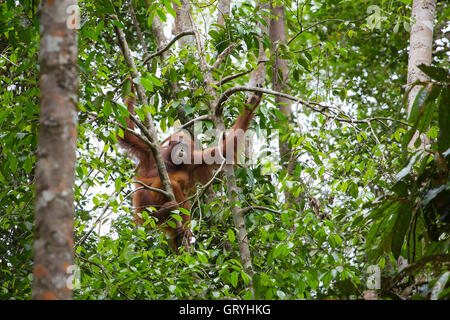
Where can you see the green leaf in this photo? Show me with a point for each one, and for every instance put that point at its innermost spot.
(169, 8)
(126, 87)
(431, 194)
(418, 104)
(176, 216)
(444, 121)
(429, 109)
(354, 191)
(397, 26)
(303, 63)
(147, 84)
(245, 277)
(407, 26)
(248, 295)
(28, 165)
(12, 163)
(435, 73)
(406, 170)
(107, 108)
(118, 184)
(231, 235)
(117, 23)
(202, 257)
(278, 250)
(155, 80)
(171, 224)
(161, 15)
(184, 211)
(401, 226)
(400, 188)
(97, 103)
(234, 278)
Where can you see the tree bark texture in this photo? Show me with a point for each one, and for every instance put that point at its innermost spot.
(277, 34)
(224, 7)
(183, 22)
(420, 44)
(161, 41)
(55, 167)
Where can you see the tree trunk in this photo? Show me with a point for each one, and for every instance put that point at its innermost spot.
(257, 77)
(53, 247)
(223, 7)
(183, 22)
(277, 34)
(420, 44)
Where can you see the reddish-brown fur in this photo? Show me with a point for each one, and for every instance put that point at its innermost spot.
(182, 176)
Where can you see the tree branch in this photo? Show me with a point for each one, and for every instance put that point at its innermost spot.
(166, 47)
(246, 210)
(149, 133)
(187, 124)
(164, 193)
(223, 55)
(198, 41)
(237, 75)
(315, 106)
(415, 267)
(321, 22)
(137, 135)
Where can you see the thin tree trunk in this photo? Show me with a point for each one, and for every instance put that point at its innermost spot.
(53, 246)
(183, 22)
(224, 7)
(161, 41)
(232, 189)
(420, 44)
(257, 77)
(150, 133)
(277, 34)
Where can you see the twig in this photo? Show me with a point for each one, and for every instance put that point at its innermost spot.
(222, 56)
(214, 176)
(321, 22)
(237, 75)
(163, 192)
(167, 46)
(187, 124)
(138, 29)
(139, 136)
(306, 49)
(418, 265)
(198, 41)
(315, 106)
(246, 210)
(232, 77)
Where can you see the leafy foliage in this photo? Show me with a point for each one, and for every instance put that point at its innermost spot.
(386, 200)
